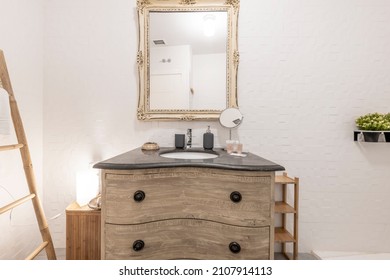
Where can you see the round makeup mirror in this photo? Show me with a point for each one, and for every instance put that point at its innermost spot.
(230, 118)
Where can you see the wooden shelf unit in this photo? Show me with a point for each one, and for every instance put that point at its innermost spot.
(286, 208)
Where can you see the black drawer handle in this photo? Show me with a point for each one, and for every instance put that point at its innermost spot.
(235, 197)
(235, 247)
(138, 245)
(139, 196)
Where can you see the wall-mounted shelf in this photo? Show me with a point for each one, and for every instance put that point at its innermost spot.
(286, 208)
(380, 136)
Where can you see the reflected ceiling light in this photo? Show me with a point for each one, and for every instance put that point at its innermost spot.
(209, 25)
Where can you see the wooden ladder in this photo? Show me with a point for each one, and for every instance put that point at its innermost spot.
(28, 168)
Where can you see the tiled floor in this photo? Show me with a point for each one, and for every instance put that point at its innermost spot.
(342, 255)
(301, 256)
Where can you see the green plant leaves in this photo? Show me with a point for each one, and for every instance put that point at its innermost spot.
(374, 121)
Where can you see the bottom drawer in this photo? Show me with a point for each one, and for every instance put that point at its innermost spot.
(185, 239)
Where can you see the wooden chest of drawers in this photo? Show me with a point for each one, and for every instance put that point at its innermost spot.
(187, 213)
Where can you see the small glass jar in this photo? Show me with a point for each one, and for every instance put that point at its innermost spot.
(239, 148)
(230, 146)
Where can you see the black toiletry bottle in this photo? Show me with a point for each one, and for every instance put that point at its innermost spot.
(179, 141)
(208, 140)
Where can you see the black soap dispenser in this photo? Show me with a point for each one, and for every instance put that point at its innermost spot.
(208, 139)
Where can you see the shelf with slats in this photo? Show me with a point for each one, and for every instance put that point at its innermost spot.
(287, 208)
(283, 179)
(283, 207)
(282, 235)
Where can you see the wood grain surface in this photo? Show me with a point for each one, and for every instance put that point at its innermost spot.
(187, 213)
(186, 239)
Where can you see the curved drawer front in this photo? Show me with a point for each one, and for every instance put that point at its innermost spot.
(186, 239)
(188, 193)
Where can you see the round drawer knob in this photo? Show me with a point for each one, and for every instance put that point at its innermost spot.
(235, 197)
(138, 245)
(139, 196)
(235, 247)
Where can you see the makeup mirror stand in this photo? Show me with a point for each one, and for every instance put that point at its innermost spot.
(230, 118)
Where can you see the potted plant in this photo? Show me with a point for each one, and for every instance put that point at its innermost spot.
(387, 134)
(373, 123)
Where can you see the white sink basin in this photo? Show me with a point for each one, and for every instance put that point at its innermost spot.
(189, 155)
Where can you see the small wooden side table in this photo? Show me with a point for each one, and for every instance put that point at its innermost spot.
(82, 233)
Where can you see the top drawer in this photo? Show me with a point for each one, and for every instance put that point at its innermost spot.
(200, 193)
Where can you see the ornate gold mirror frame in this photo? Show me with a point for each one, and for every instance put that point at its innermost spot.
(145, 7)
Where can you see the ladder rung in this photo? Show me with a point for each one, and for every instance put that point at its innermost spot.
(11, 147)
(16, 203)
(37, 251)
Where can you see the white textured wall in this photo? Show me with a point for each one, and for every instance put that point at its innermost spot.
(21, 39)
(307, 69)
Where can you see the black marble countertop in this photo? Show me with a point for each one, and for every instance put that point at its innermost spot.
(141, 159)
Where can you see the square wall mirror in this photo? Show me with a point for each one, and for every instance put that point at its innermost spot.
(187, 59)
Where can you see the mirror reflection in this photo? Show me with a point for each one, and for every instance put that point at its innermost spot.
(188, 57)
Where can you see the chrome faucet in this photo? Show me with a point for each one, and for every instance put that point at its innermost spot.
(189, 138)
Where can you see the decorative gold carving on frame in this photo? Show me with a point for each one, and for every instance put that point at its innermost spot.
(141, 4)
(141, 115)
(236, 58)
(187, 118)
(187, 2)
(234, 3)
(140, 59)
